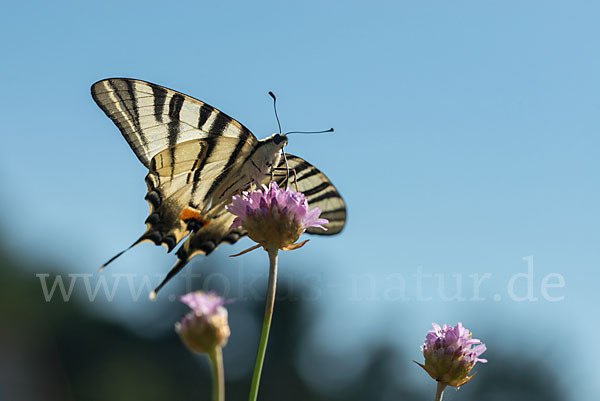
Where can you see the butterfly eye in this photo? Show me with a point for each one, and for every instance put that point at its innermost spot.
(278, 139)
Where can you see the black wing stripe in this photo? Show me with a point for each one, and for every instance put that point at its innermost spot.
(301, 167)
(232, 158)
(160, 97)
(175, 106)
(209, 149)
(333, 219)
(236, 182)
(197, 163)
(117, 121)
(308, 174)
(123, 105)
(203, 114)
(219, 124)
(136, 111)
(282, 168)
(326, 195)
(335, 211)
(315, 190)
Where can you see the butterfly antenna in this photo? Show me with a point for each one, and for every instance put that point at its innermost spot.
(310, 132)
(275, 108)
(287, 167)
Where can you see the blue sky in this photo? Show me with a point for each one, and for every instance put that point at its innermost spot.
(466, 140)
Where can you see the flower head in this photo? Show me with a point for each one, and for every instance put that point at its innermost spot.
(205, 327)
(274, 217)
(450, 354)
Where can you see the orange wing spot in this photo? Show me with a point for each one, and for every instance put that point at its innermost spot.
(189, 213)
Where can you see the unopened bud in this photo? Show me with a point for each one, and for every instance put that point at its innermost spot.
(205, 327)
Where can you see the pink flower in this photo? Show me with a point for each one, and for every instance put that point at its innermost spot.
(274, 217)
(204, 328)
(451, 353)
(203, 304)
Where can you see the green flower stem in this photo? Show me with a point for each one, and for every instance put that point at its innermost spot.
(264, 337)
(440, 391)
(218, 385)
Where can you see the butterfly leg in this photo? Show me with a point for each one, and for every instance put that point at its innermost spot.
(295, 180)
(287, 168)
(287, 176)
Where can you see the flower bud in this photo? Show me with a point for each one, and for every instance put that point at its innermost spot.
(205, 327)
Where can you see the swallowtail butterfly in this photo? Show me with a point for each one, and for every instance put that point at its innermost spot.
(198, 157)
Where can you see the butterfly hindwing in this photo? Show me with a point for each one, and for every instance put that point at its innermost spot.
(197, 174)
(317, 188)
(204, 241)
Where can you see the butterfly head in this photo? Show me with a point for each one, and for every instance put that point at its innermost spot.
(267, 155)
(280, 140)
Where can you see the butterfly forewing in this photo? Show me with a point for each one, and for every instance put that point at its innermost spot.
(152, 118)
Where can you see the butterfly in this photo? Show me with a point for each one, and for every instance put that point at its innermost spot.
(198, 158)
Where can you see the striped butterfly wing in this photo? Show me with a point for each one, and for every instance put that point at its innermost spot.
(153, 118)
(317, 188)
(192, 151)
(204, 241)
(199, 174)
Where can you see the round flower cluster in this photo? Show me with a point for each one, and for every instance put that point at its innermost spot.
(450, 354)
(274, 217)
